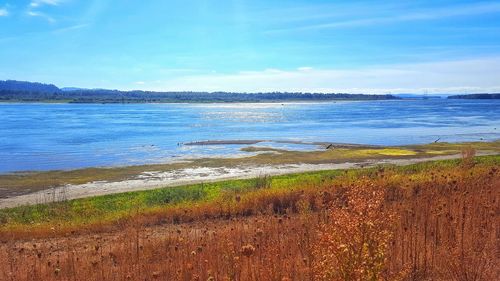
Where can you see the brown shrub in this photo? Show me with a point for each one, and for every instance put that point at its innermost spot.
(353, 245)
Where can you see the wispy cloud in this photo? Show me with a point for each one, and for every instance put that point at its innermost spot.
(4, 12)
(70, 28)
(435, 77)
(44, 33)
(38, 3)
(429, 14)
(35, 5)
(41, 15)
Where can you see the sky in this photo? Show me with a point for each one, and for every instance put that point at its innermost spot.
(254, 45)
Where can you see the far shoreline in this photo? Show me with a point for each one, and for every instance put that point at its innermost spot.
(209, 102)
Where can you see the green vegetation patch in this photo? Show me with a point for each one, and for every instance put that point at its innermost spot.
(115, 206)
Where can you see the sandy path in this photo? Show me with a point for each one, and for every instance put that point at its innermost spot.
(152, 180)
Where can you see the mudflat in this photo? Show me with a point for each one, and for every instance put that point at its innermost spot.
(44, 187)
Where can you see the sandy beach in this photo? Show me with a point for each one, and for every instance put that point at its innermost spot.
(152, 179)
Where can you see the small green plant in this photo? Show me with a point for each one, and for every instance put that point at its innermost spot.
(263, 181)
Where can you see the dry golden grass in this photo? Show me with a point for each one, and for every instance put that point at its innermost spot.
(432, 224)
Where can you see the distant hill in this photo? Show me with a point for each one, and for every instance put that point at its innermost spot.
(477, 96)
(16, 91)
(13, 85)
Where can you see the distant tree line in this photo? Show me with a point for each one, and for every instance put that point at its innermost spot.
(109, 96)
(477, 96)
(35, 92)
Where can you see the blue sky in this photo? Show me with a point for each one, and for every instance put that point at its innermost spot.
(255, 45)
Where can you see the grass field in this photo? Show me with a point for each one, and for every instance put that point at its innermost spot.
(429, 221)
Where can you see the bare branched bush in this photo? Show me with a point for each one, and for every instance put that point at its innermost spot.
(468, 154)
(354, 245)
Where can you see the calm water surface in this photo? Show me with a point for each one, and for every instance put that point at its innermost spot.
(69, 136)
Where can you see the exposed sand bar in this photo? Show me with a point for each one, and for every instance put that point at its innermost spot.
(223, 142)
(250, 142)
(152, 179)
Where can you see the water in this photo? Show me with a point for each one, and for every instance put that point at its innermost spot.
(69, 136)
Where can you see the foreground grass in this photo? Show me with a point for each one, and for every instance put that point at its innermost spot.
(199, 201)
(430, 221)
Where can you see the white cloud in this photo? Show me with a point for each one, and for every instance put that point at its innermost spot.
(305, 68)
(4, 12)
(473, 75)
